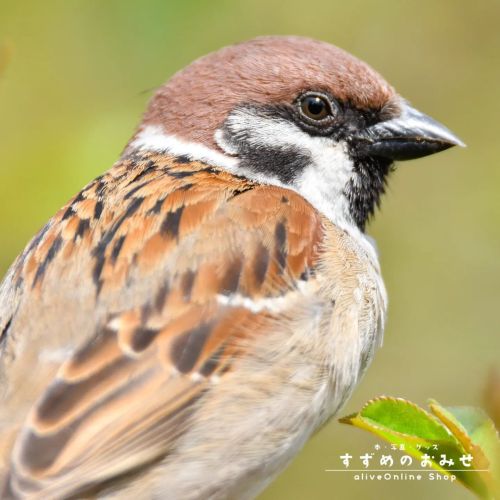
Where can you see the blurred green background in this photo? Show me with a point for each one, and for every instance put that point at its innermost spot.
(75, 77)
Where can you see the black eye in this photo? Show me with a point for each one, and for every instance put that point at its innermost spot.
(315, 106)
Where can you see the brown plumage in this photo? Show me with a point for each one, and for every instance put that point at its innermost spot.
(152, 208)
(184, 323)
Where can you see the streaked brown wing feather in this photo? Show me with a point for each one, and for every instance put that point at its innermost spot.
(180, 235)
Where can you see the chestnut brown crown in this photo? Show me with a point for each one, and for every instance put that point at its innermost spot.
(269, 70)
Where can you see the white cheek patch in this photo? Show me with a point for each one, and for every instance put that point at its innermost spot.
(322, 182)
(246, 124)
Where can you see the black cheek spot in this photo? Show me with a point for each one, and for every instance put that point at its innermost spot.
(285, 162)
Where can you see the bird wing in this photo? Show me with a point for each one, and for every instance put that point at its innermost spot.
(171, 262)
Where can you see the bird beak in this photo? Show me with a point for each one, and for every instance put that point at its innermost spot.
(410, 135)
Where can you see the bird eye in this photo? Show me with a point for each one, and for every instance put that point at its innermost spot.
(315, 107)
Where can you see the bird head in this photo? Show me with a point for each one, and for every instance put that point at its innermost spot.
(297, 113)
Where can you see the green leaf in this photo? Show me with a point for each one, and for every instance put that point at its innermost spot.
(478, 436)
(404, 417)
(397, 419)
(453, 432)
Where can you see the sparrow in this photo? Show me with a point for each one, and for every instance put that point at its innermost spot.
(185, 323)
